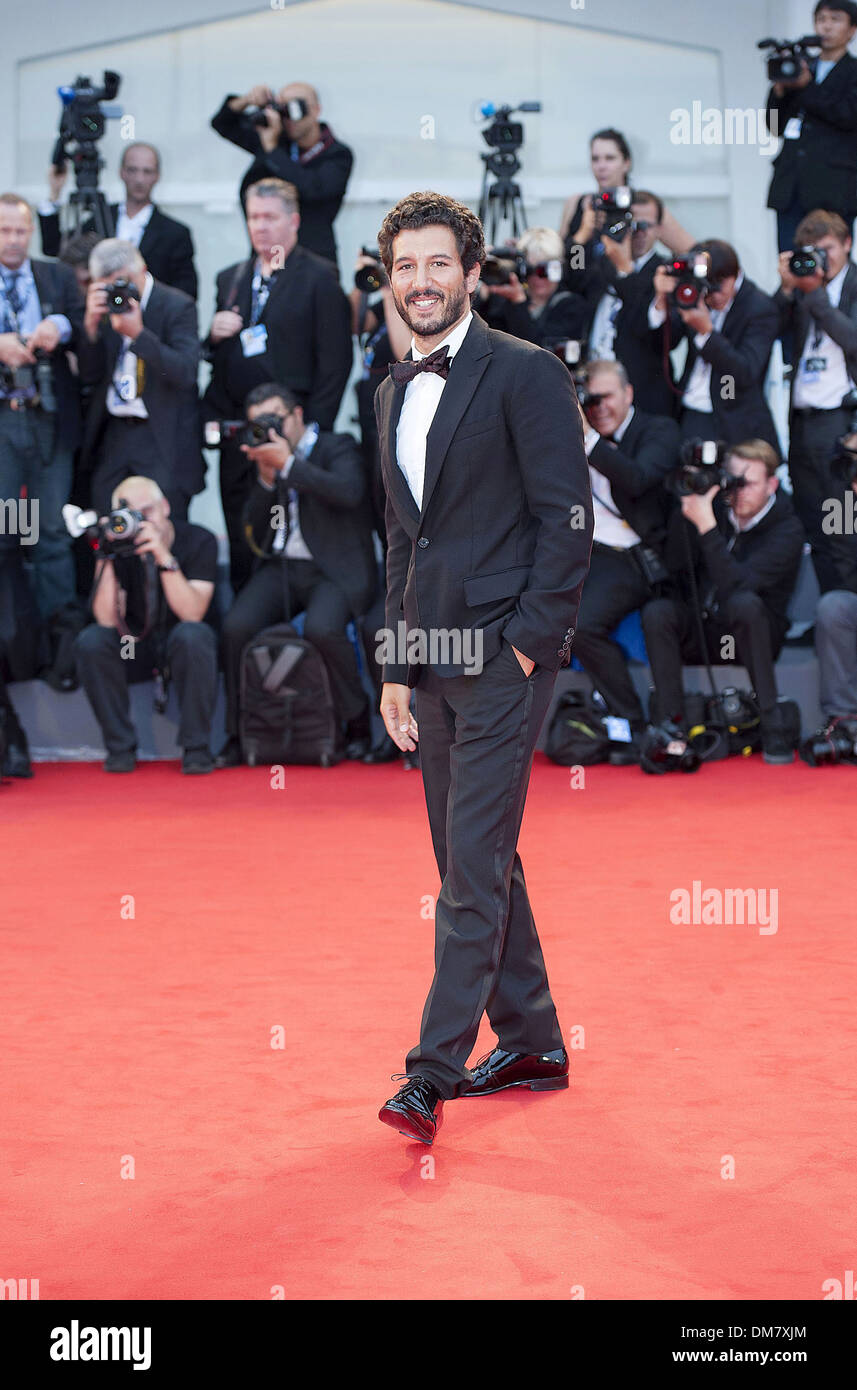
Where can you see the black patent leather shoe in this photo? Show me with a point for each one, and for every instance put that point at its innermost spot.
(498, 1070)
(415, 1111)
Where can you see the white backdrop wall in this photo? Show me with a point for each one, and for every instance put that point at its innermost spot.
(382, 67)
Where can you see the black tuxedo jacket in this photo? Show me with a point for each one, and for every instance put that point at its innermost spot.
(334, 516)
(169, 349)
(503, 539)
(640, 354)
(820, 167)
(739, 357)
(58, 293)
(166, 246)
(310, 350)
(799, 311)
(636, 468)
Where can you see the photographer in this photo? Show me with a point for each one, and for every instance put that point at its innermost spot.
(836, 639)
(382, 338)
(630, 454)
(816, 115)
(165, 244)
(321, 561)
(745, 545)
(539, 310)
(280, 316)
(294, 145)
(730, 332)
(819, 310)
(178, 641)
(41, 314)
(139, 355)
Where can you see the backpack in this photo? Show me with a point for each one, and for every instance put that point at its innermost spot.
(287, 713)
(577, 736)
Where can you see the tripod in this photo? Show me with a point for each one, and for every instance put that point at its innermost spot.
(88, 210)
(501, 201)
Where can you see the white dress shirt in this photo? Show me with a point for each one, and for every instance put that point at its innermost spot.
(823, 388)
(132, 228)
(125, 372)
(422, 397)
(697, 393)
(610, 528)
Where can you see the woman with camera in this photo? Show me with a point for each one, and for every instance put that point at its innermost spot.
(538, 308)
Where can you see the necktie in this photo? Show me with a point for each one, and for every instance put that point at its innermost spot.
(10, 288)
(437, 361)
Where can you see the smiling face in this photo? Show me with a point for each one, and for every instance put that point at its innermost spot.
(430, 289)
(616, 400)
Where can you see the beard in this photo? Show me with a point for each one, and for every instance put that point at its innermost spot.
(449, 309)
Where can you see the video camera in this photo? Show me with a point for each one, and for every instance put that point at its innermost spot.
(370, 278)
(249, 432)
(113, 535)
(82, 125)
(692, 274)
(784, 61)
(615, 203)
(806, 261)
(503, 134)
(701, 467)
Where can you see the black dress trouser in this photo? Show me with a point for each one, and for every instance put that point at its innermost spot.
(477, 737)
(614, 587)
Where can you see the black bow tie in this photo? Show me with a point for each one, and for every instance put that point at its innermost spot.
(437, 361)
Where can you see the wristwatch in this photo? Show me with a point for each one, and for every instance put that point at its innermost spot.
(171, 567)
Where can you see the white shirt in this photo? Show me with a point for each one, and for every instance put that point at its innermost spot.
(132, 228)
(422, 398)
(609, 528)
(603, 331)
(823, 388)
(127, 364)
(296, 547)
(697, 393)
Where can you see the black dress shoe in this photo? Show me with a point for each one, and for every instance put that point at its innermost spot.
(230, 754)
(415, 1111)
(356, 749)
(385, 752)
(498, 1070)
(123, 761)
(197, 760)
(16, 761)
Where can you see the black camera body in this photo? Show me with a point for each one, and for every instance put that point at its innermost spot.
(121, 293)
(785, 56)
(500, 264)
(256, 431)
(249, 432)
(701, 467)
(615, 203)
(118, 532)
(32, 385)
(693, 279)
(293, 110)
(837, 743)
(806, 261)
(370, 278)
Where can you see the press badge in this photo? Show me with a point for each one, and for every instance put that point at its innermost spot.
(813, 365)
(126, 386)
(254, 340)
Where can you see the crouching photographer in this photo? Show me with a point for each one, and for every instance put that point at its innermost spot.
(733, 547)
(836, 629)
(154, 581)
(308, 526)
(521, 291)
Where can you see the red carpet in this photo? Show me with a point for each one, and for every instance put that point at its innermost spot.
(148, 1039)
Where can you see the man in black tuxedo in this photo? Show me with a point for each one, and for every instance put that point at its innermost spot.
(141, 368)
(321, 563)
(41, 319)
(294, 145)
(630, 454)
(816, 116)
(281, 316)
(489, 527)
(730, 332)
(819, 313)
(165, 244)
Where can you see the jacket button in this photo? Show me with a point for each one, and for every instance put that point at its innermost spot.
(423, 542)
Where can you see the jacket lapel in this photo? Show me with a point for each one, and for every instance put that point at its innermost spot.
(466, 371)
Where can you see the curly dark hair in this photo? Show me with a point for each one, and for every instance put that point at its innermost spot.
(434, 210)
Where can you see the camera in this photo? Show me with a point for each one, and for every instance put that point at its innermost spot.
(784, 61)
(293, 110)
(501, 263)
(82, 126)
(807, 260)
(503, 134)
(691, 273)
(249, 432)
(120, 294)
(615, 203)
(702, 467)
(370, 278)
(115, 535)
(568, 350)
(837, 743)
(589, 399)
(843, 464)
(32, 385)
(256, 431)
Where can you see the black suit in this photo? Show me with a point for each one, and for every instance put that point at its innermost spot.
(337, 584)
(309, 350)
(498, 550)
(167, 446)
(738, 355)
(813, 433)
(166, 246)
(59, 294)
(320, 180)
(819, 169)
(636, 469)
(641, 355)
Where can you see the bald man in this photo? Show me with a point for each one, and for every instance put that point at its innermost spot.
(295, 145)
(178, 639)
